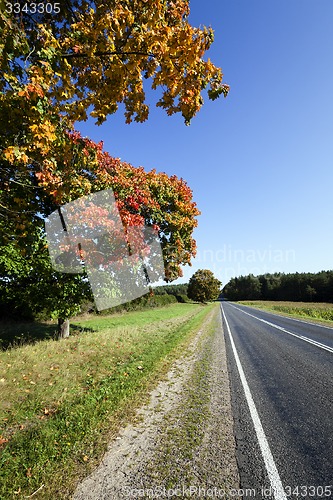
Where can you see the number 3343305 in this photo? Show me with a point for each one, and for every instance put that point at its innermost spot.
(32, 8)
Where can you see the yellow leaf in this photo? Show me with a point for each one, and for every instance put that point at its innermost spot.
(24, 158)
(9, 153)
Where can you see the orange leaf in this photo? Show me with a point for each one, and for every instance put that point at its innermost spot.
(3, 440)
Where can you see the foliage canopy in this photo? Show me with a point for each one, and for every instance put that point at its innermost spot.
(55, 68)
(203, 286)
(96, 54)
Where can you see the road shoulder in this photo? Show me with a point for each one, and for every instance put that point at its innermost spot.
(184, 437)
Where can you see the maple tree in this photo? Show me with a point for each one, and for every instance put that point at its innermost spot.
(143, 198)
(54, 66)
(90, 57)
(97, 53)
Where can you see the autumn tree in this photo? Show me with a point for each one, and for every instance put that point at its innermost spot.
(143, 198)
(55, 65)
(203, 286)
(85, 55)
(97, 53)
(94, 55)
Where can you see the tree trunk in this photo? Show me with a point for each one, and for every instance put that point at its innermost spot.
(63, 328)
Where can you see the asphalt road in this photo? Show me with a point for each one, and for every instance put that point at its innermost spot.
(281, 376)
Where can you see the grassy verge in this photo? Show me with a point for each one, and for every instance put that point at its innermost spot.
(184, 427)
(317, 312)
(62, 401)
(14, 334)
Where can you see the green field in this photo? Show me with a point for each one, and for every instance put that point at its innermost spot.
(62, 401)
(315, 311)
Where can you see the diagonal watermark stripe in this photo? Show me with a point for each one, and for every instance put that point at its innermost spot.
(88, 234)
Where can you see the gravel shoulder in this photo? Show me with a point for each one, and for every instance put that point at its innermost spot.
(182, 444)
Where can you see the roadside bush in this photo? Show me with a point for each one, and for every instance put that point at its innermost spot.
(147, 301)
(181, 297)
(161, 300)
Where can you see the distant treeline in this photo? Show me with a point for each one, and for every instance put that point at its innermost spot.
(160, 296)
(179, 291)
(298, 287)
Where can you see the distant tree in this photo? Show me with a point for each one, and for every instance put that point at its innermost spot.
(253, 286)
(323, 284)
(310, 293)
(270, 284)
(230, 290)
(203, 286)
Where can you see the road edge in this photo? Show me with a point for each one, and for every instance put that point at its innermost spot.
(185, 437)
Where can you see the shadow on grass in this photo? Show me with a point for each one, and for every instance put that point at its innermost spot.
(18, 334)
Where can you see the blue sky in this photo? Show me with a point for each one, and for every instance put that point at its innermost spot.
(259, 162)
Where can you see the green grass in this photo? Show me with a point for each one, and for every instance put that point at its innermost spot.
(63, 401)
(18, 334)
(318, 312)
(184, 427)
(14, 334)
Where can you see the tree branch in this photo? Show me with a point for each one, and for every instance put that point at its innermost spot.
(16, 211)
(101, 54)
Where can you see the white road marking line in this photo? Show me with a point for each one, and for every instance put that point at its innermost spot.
(306, 339)
(292, 319)
(276, 484)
